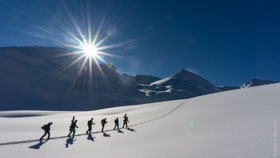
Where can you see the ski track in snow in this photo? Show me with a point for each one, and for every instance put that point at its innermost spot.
(77, 135)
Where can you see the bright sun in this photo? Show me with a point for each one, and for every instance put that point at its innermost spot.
(89, 50)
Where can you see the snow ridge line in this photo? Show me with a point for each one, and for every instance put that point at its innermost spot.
(77, 135)
(161, 116)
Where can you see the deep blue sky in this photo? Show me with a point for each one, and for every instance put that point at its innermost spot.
(227, 42)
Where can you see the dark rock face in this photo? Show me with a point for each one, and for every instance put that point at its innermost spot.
(139, 79)
(145, 79)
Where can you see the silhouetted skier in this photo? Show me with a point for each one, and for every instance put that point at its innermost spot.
(103, 122)
(90, 123)
(73, 127)
(125, 121)
(46, 128)
(116, 123)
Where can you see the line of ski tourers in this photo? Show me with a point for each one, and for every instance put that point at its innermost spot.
(73, 126)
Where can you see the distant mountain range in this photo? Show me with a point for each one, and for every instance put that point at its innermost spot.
(33, 78)
(253, 83)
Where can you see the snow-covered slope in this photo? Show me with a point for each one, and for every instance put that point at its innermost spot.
(238, 123)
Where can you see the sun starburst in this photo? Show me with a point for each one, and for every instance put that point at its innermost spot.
(90, 53)
(89, 39)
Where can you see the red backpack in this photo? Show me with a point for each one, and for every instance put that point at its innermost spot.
(103, 121)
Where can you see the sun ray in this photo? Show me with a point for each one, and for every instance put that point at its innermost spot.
(102, 73)
(106, 54)
(81, 69)
(101, 41)
(68, 54)
(109, 46)
(90, 73)
(72, 63)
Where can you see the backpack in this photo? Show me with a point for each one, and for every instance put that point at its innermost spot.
(73, 125)
(103, 121)
(125, 119)
(89, 123)
(44, 127)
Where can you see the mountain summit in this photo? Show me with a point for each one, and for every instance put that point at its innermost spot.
(183, 84)
(187, 80)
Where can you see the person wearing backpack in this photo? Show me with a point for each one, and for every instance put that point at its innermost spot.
(90, 123)
(73, 127)
(125, 121)
(46, 128)
(103, 122)
(116, 123)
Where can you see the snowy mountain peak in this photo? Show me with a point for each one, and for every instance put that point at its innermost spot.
(184, 72)
(184, 80)
(183, 84)
(256, 82)
(179, 77)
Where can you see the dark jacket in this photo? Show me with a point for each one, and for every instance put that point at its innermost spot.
(73, 125)
(103, 122)
(125, 119)
(46, 127)
(117, 121)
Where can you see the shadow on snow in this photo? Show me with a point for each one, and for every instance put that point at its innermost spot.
(38, 145)
(69, 141)
(90, 137)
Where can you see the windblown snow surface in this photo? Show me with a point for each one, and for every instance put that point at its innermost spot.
(232, 124)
